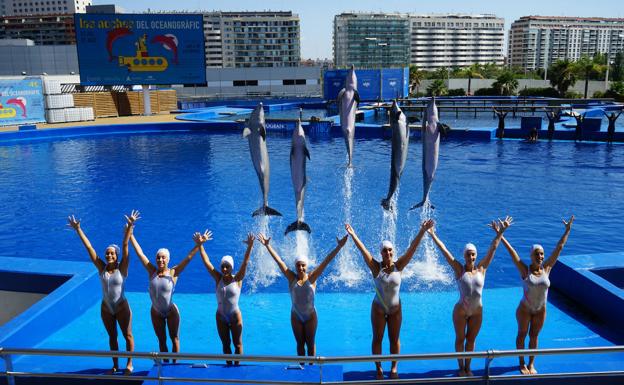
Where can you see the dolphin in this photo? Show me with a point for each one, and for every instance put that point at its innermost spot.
(400, 141)
(348, 99)
(431, 148)
(298, 153)
(256, 134)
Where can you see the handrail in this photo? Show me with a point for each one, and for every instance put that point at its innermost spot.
(489, 355)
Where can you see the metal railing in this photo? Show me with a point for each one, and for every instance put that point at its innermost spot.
(7, 355)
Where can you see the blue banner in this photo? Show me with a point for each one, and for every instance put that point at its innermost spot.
(21, 101)
(372, 84)
(127, 49)
(392, 83)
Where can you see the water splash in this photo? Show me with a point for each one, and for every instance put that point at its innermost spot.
(427, 270)
(263, 271)
(348, 272)
(389, 223)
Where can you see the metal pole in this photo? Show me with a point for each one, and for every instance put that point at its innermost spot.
(147, 104)
(8, 363)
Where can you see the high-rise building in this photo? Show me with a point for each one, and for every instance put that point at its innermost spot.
(371, 40)
(429, 41)
(39, 7)
(252, 39)
(445, 41)
(538, 41)
(41, 29)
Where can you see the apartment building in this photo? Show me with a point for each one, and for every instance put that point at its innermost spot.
(42, 7)
(538, 41)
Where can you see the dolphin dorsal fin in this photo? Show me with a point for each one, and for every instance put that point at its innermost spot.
(246, 132)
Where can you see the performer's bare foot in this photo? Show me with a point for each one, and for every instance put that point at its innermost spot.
(111, 371)
(524, 369)
(461, 373)
(469, 373)
(379, 375)
(394, 375)
(128, 371)
(532, 369)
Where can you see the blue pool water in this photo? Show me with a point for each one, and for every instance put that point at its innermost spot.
(188, 182)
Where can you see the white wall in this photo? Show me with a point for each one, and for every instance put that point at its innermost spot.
(475, 84)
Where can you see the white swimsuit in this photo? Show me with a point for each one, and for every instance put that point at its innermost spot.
(112, 289)
(535, 291)
(302, 297)
(387, 287)
(470, 291)
(161, 293)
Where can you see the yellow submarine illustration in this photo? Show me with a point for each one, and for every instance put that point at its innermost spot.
(7, 113)
(142, 62)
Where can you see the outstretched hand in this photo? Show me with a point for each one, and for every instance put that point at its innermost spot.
(133, 217)
(250, 239)
(500, 225)
(349, 229)
(427, 225)
(73, 222)
(568, 224)
(263, 240)
(342, 241)
(200, 238)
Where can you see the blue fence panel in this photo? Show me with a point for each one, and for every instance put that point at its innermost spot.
(333, 82)
(392, 84)
(372, 84)
(21, 101)
(140, 49)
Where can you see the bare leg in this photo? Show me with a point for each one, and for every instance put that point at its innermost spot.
(224, 333)
(459, 323)
(378, 321)
(299, 333)
(474, 325)
(394, 330)
(124, 318)
(310, 334)
(159, 324)
(537, 322)
(111, 328)
(237, 334)
(173, 323)
(523, 317)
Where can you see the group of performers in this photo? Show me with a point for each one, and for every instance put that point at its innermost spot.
(385, 309)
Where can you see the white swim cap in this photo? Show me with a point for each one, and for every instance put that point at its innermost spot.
(301, 259)
(470, 247)
(164, 252)
(117, 250)
(227, 259)
(536, 247)
(386, 245)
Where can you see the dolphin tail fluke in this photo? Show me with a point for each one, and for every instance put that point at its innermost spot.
(296, 226)
(385, 203)
(421, 204)
(266, 210)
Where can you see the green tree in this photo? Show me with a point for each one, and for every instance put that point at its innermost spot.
(587, 68)
(441, 73)
(416, 77)
(617, 68)
(472, 72)
(490, 70)
(562, 75)
(506, 83)
(437, 88)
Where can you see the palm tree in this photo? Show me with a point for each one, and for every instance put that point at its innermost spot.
(472, 72)
(506, 83)
(416, 77)
(437, 88)
(562, 75)
(587, 67)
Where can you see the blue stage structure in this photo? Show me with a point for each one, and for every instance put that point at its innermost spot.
(372, 84)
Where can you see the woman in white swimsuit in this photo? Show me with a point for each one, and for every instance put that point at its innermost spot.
(531, 311)
(386, 306)
(302, 287)
(113, 273)
(470, 277)
(229, 317)
(162, 281)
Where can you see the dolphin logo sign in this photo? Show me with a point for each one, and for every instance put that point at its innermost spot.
(366, 84)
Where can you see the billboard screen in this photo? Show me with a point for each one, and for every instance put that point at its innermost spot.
(127, 49)
(21, 101)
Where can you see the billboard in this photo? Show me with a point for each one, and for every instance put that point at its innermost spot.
(128, 49)
(372, 84)
(21, 101)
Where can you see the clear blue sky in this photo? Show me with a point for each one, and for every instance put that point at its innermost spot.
(317, 15)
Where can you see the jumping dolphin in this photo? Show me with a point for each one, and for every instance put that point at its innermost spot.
(431, 148)
(256, 134)
(400, 141)
(348, 99)
(298, 153)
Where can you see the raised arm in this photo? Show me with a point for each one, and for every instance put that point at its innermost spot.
(243, 268)
(199, 240)
(139, 252)
(521, 266)
(282, 266)
(499, 227)
(177, 269)
(75, 224)
(368, 258)
(550, 262)
(455, 265)
(407, 257)
(129, 228)
(332, 254)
